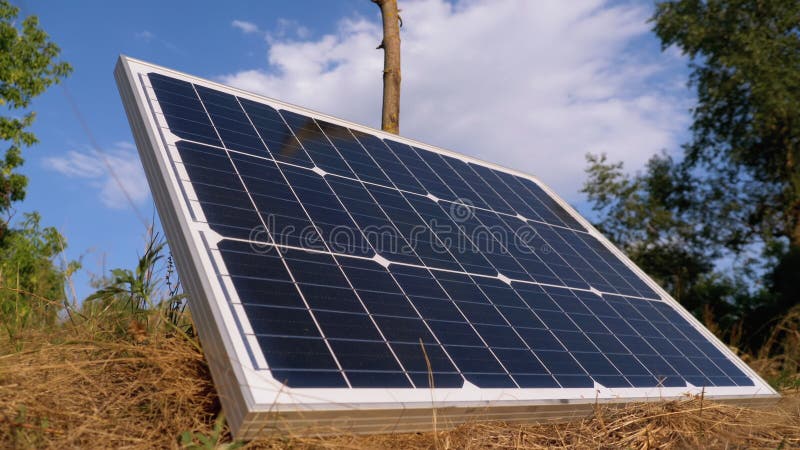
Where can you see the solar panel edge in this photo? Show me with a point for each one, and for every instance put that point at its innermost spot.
(419, 419)
(127, 81)
(228, 378)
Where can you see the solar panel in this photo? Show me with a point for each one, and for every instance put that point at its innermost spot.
(345, 279)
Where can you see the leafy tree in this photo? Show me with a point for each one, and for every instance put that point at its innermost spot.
(28, 67)
(733, 197)
(745, 148)
(744, 156)
(31, 284)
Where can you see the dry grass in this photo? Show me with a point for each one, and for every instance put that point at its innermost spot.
(76, 391)
(72, 388)
(667, 425)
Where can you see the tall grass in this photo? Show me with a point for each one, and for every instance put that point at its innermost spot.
(778, 360)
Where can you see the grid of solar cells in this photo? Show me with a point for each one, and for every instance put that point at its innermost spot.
(305, 205)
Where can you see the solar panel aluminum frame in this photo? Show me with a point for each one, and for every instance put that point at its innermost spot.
(255, 403)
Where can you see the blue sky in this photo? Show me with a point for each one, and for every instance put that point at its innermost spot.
(530, 85)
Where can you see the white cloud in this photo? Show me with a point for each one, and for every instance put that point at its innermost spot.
(288, 28)
(148, 37)
(113, 173)
(245, 27)
(529, 85)
(283, 29)
(144, 35)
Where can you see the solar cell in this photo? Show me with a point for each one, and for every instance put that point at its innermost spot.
(328, 264)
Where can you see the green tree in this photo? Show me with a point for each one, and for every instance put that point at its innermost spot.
(28, 66)
(744, 155)
(745, 147)
(31, 283)
(733, 196)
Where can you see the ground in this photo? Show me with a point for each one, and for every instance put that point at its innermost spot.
(88, 386)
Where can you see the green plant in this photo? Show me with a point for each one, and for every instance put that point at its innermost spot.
(138, 300)
(26, 433)
(31, 284)
(212, 441)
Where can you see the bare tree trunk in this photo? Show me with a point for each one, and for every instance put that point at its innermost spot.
(390, 117)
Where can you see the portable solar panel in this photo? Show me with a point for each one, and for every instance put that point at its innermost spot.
(347, 280)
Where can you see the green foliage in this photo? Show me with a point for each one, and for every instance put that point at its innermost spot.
(213, 441)
(719, 227)
(28, 67)
(31, 283)
(745, 150)
(137, 300)
(641, 211)
(25, 434)
(778, 303)
(134, 289)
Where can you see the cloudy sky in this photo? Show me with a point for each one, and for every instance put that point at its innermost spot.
(533, 85)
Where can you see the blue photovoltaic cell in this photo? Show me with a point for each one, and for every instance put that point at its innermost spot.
(482, 276)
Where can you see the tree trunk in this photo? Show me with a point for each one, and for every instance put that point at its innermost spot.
(794, 234)
(794, 182)
(390, 117)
